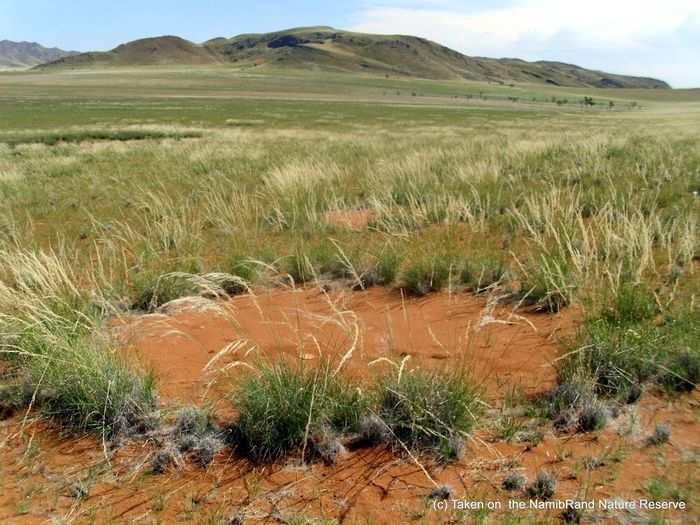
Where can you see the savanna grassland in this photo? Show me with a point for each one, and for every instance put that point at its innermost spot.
(424, 290)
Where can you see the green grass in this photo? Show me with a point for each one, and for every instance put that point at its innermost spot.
(68, 137)
(281, 406)
(52, 338)
(619, 358)
(429, 411)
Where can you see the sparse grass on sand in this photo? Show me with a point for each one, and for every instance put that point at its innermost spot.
(463, 188)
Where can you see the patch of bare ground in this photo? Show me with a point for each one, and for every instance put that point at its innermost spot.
(502, 347)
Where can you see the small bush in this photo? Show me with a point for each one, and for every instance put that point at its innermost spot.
(543, 487)
(278, 405)
(430, 411)
(661, 435)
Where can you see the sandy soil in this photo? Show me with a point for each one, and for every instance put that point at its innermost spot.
(47, 476)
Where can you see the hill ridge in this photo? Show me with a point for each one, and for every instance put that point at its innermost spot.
(25, 54)
(328, 49)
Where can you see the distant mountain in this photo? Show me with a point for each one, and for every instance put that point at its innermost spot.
(158, 51)
(28, 54)
(328, 49)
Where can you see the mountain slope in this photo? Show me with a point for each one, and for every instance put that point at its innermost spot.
(328, 49)
(28, 54)
(158, 51)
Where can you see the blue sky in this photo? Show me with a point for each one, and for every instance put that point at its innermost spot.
(649, 37)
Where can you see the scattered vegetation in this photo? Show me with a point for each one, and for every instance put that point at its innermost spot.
(597, 219)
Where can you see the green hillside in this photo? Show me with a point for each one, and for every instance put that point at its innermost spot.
(328, 49)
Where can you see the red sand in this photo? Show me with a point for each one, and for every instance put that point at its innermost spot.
(503, 350)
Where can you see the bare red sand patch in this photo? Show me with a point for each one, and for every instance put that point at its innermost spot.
(372, 329)
(350, 219)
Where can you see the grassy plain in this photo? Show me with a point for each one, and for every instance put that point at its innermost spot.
(125, 189)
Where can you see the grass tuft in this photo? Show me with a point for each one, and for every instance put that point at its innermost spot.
(543, 487)
(430, 411)
(281, 406)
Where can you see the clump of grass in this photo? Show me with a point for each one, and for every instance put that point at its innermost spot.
(441, 493)
(423, 276)
(483, 273)
(593, 417)
(50, 335)
(434, 271)
(387, 265)
(164, 459)
(661, 489)
(574, 405)
(82, 381)
(548, 283)
(619, 357)
(196, 435)
(543, 487)
(661, 435)
(373, 431)
(326, 447)
(13, 397)
(514, 482)
(281, 406)
(633, 304)
(571, 515)
(430, 411)
(152, 291)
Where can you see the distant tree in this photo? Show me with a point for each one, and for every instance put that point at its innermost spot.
(611, 104)
(588, 101)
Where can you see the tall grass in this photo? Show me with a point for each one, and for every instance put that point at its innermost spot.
(51, 336)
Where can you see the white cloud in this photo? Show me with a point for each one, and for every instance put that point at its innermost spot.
(531, 28)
